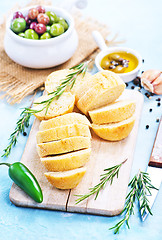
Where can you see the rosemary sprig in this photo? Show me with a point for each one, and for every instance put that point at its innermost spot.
(140, 187)
(21, 124)
(28, 112)
(108, 176)
(129, 205)
(145, 187)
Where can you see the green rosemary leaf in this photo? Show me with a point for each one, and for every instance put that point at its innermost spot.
(96, 195)
(73, 83)
(117, 226)
(127, 224)
(149, 210)
(77, 66)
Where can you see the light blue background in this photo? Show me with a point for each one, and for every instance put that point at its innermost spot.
(140, 24)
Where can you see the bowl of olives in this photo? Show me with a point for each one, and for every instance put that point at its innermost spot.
(40, 37)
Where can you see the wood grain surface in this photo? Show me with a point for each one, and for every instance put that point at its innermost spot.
(105, 154)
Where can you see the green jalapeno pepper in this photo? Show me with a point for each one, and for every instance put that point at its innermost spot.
(23, 178)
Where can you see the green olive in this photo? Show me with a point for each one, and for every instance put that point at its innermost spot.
(105, 64)
(21, 34)
(119, 69)
(31, 34)
(48, 28)
(56, 29)
(45, 35)
(63, 23)
(18, 25)
(115, 57)
(52, 17)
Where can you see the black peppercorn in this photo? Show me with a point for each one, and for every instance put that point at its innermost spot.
(113, 62)
(157, 120)
(136, 81)
(147, 126)
(143, 60)
(150, 109)
(24, 133)
(158, 104)
(112, 67)
(142, 72)
(132, 87)
(147, 95)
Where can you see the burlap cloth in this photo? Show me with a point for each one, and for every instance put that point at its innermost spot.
(17, 82)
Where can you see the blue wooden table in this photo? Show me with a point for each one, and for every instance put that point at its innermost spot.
(140, 24)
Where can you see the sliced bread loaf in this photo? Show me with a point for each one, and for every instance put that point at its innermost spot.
(67, 161)
(70, 118)
(67, 179)
(61, 132)
(114, 131)
(105, 78)
(63, 146)
(113, 112)
(63, 105)
(100, 95)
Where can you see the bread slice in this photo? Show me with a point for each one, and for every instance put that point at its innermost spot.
(54, 80)
(114, 131)
(105, 78)
(67, 161)
(113, 112)
(100, 95)
(62, 132)
(63, 105)
(56, 77)
(70, 118)
(81, 79)
(66, 180)
(63, 146)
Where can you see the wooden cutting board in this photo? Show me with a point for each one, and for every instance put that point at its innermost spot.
(104, 154)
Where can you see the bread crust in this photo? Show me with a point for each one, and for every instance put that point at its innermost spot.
(70, 118)
(99, 96)
(62, 132)
(67, 179)
(114, 131)
(113, 112)
(63, 146)
(63, 105)
(67, 161)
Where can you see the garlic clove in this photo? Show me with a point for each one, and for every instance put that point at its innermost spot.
(151, 80)
(157, 85)
(150, 75)
(147, 85)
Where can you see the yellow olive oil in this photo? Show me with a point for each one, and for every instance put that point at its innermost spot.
(119, 62)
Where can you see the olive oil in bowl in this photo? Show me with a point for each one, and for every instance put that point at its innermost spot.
(119, 62)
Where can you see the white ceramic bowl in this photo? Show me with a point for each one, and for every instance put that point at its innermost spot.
(127, 77)
(42, 53)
